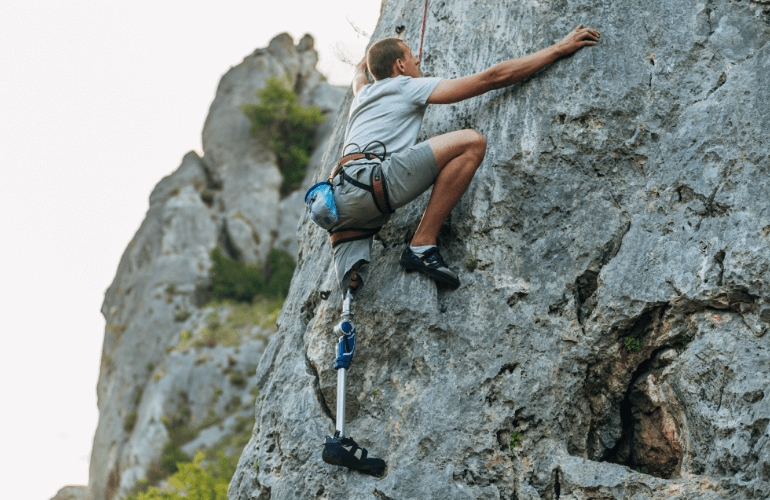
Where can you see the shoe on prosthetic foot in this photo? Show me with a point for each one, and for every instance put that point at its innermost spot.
(344, 452)
(432, 264)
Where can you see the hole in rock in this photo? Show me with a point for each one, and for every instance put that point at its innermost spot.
(585, 286)
(649, 441)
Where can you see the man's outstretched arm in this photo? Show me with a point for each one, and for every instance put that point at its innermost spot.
(509, 72)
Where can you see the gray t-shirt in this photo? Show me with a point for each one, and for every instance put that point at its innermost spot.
(391, 111)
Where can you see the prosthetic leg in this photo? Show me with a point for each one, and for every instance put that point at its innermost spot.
(342, 450)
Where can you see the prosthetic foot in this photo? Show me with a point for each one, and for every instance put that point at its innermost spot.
(340, 449)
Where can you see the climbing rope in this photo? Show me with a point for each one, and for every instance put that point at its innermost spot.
(400, 29)
(424, 15)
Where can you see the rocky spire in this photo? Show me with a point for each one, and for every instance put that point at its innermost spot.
(153, 376)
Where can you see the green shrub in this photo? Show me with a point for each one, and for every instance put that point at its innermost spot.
(632, 344)
(192, 481)
(287, 127)
(515, 439)
(196, 481)
(181, 316)
(237, 380)
(172, 456)
(240, 281)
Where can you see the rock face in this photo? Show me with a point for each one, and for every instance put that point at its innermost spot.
(610, 342)
(157, 366)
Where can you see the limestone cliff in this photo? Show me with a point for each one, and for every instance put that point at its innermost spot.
(169, 361)
(610, 341)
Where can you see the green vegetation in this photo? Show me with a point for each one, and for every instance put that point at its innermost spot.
(237, 379)
(159, 374)
(170, 291)
(193, 481)
(129, 422)
(186, 336)
(632, 344)
(684, 338)
(287, 127)
(233, 404)
(642, 470)
(242, 282)
(179, 432)
(230, 323)
(515, 439)
(206, 477)
(207, 197)
(181, 316)
(473, 261)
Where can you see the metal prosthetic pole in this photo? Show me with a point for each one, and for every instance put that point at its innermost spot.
(340, 449)
(345, 346)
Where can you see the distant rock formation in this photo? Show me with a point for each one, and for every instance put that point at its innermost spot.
(152, 375)
(72, 493)
(611, 340)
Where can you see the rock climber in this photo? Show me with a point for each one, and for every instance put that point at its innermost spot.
(388, 114)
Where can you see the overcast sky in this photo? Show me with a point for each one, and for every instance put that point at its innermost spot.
(98, 101)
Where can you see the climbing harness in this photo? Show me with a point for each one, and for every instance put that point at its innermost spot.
(377, 187)
(400, 29)
(341, 450)
(319, 199)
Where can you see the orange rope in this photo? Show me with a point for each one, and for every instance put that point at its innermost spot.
(425, 14)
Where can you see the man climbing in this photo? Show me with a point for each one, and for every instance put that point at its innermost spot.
(388, 114)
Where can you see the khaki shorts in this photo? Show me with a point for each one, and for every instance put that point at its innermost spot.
(407, 176)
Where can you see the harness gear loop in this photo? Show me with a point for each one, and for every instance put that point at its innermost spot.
(351, 144)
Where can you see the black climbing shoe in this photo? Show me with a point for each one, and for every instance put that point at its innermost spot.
(342, 451)
(430, 263)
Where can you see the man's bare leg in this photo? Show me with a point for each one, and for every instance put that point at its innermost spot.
(458, 155)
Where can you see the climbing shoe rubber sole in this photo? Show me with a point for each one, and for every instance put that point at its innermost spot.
(432, 264)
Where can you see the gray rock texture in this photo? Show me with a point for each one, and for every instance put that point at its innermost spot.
(158, 362)
(611, 341)
(72, 493)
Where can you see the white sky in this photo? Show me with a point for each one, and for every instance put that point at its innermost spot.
(98, 101)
